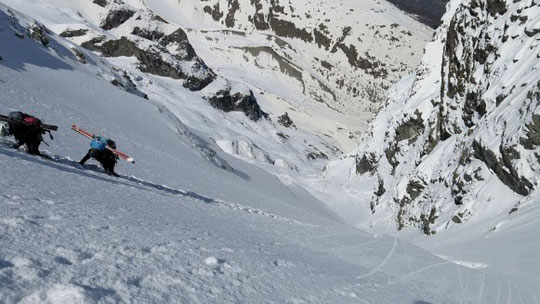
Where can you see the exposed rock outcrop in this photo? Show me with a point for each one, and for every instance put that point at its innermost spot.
(153, 35)
(38, 33)
(238, 101)
(101, 3)
(94, 44)
(115, 18)
(365, 164)
(286, 121)
(152, 62)
(73, 33)
(427, 11)
(179, 39)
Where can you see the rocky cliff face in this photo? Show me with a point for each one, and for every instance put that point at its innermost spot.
(460, 139)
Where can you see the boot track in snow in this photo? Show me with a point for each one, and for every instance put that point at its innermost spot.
(68, 165)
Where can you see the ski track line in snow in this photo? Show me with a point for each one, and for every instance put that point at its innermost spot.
(208, 200)
(421, 270)
(461, 283)
(498, 292)
(49, 158)
(481, 290)
(527, 289)
(509, 299)
(407, 256)
(381, 265)
(467, 264)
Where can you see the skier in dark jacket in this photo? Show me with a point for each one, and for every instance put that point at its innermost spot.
(27, 131)
(103, 155)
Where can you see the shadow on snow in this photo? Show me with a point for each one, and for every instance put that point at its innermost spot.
(19, 49)
(70, 166)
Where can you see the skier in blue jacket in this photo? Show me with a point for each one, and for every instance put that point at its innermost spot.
(104, 156)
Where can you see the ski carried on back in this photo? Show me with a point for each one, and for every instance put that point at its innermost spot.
(89, 135)
(15, 121)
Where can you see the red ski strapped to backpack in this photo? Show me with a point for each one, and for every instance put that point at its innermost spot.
(87, 134)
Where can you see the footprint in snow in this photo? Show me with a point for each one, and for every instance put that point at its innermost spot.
(66, 256)
(222, 266)
(12, 197)
(48, 202)
(62, 260)
(5, 264)
(11, 222)
(135, 281)
(282, 263)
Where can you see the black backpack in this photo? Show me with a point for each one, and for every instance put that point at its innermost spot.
(18, 116)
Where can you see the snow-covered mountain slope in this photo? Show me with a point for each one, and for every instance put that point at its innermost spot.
(305, 77)
(220, 231)
(467, 122)
(317, 44)
(165, 68)
(299, 53)
(455, 150)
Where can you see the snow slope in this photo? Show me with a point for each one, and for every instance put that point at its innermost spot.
(454, 153)
(187, 223)
(464, 126)
(264, 141)
(327, 64)
(308, 80)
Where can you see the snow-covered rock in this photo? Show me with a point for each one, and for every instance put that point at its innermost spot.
(459, 140)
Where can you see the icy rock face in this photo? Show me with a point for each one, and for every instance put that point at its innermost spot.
(468, 121)
(73, 33)
(101, 3)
